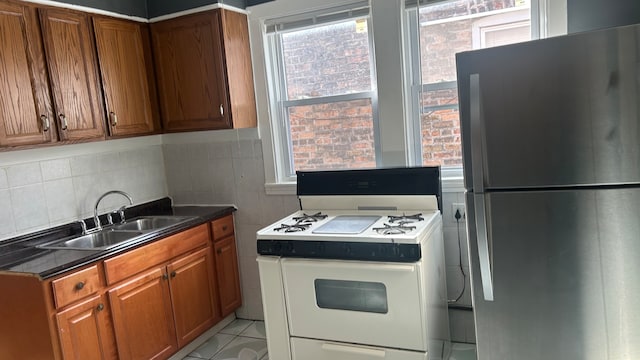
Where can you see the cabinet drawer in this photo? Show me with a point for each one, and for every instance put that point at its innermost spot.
(76, 286)
(222, 228)
(135, 261)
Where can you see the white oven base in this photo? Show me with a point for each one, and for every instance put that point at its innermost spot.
(283, 346)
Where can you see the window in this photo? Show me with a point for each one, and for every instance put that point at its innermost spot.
(331, 106)
(323, 90)
(442, 29)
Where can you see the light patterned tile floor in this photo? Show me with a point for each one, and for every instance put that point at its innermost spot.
(240, 340)
(246, 340)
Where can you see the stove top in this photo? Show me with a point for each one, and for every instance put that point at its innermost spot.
(372, 227)
(352, 226)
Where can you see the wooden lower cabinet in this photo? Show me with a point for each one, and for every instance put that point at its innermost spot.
(195, 304)
(143, 304)
(142, 317)
(86, 332)
(165, 308)
(227, 274)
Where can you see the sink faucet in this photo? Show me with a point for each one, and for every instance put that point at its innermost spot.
(96, 219)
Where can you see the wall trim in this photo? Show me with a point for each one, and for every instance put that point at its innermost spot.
(197, 10)
(87, 9)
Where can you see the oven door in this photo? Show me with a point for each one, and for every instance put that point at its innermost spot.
(372, 303)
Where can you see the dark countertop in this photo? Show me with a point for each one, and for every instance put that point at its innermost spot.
(20, 254)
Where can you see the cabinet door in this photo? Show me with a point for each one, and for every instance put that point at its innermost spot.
(124, 55)
(142, 317)
(73, 71)
(85, 331)
(227, 275)
(25, 105)
(190, 71)
(193, 292)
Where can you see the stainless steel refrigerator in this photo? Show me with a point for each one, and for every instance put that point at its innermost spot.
(551, 143)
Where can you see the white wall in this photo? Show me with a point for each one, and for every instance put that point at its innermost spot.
(45, 187)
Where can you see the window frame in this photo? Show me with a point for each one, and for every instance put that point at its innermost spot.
(285, 167)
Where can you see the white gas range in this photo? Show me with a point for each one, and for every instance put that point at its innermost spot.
(358, 273)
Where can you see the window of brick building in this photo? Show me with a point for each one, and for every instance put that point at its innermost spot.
(441, 30)
(323, 89)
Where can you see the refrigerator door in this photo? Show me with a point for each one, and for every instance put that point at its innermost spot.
(566, 275)
(556, 112)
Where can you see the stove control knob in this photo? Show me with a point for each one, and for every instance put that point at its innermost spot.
(288, 247)
(347, 249)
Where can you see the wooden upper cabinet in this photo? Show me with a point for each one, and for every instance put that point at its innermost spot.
(25, 105)
(124, 54)
(71, 58)
(203, 68)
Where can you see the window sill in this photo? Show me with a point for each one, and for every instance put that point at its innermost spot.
(449, 184)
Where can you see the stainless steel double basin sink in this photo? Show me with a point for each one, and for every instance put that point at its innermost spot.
(116, 235)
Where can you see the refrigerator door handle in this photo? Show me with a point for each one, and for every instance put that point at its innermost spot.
(482, 236)
(477, 161)
(477, 138)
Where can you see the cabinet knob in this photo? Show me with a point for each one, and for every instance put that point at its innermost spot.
(173, 274)
(63, 121)
(224, 227)
(100, 307)
(221, 110)
(80, 285)
(46, 125)
(113, 118)
(219, 251)
(165, 277)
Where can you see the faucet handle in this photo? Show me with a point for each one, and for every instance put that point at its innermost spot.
(121, 212)
(110, 218)
(84, 226)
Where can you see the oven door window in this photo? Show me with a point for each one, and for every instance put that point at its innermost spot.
(351, 295)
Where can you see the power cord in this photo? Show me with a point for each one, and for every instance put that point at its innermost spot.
(458, 216)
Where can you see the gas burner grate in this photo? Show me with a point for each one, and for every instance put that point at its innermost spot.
(293, 228)
(309, 218)
(405, 218)
(395, 229)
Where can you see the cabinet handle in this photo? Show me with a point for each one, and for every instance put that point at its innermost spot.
(80, 285)
(219, 251)
(45, 123)
(113, 118)
(221, 110)
(63, 121)
(173, 274)
(100, 307)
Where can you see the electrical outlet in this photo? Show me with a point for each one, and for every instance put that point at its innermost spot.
(458, 207)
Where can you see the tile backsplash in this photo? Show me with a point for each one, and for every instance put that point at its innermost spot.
(232, 172)
(40, 194)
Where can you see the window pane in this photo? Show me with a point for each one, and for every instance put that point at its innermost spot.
(335, 135)
(327, 60)
(440, 126)
(447, 28)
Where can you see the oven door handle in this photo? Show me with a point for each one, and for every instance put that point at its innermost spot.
(302, 264)
(354, 350)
